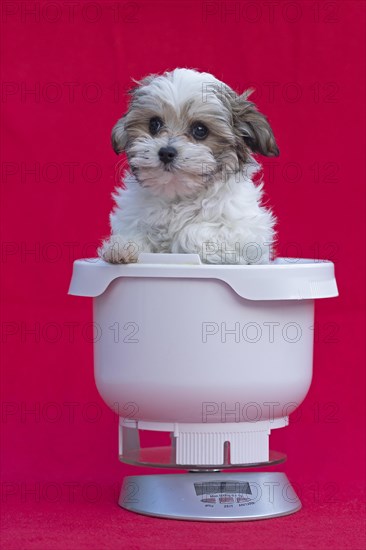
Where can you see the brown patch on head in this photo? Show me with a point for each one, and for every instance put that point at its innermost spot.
(255, 129)
(251, 127)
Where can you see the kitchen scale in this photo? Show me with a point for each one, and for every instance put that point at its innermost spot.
(204, 493)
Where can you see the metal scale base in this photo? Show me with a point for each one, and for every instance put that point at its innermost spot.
(210, 496)
(207, 494)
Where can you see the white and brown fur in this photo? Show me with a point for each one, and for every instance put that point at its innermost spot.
(204, 201)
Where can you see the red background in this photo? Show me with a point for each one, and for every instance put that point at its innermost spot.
(65, 70)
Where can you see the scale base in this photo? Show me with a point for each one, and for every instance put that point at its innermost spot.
(210, 496)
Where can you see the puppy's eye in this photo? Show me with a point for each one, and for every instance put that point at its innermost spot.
(155, 125)
(199, 130)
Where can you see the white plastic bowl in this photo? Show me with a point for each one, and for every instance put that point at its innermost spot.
(202, 350)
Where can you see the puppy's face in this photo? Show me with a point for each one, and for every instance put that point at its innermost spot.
(185, 128)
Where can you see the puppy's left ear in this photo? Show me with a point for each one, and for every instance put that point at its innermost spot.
(254, 127)
(119, 136)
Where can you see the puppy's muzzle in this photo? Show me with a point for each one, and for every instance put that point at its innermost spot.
(167, 154)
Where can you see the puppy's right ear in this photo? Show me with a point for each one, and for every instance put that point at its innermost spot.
(119, 136)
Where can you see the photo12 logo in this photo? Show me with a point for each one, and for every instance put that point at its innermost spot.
(251, 332)
(72, 12)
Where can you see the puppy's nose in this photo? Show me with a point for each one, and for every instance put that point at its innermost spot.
(167, 154)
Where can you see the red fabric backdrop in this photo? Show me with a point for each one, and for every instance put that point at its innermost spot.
(65, 69)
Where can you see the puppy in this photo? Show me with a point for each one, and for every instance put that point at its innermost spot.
(189, 140)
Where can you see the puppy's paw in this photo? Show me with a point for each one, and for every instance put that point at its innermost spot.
(117, 250)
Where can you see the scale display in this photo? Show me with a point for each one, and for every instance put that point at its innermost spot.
(226, 493)
(222, 487)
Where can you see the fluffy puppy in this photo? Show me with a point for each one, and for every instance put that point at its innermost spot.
(189, 140)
